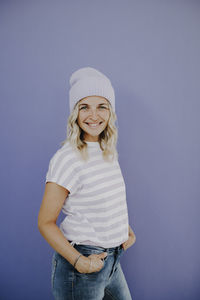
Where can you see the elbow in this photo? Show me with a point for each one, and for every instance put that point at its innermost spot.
(42, 225)
(40, 221)
(44, 221)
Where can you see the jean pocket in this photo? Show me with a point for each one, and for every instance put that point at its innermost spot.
(87, 253)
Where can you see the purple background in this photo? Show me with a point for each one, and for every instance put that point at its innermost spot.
(150, 51)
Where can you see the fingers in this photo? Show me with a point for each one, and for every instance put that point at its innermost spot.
(96, 262)
(102, 255)
(99, 256)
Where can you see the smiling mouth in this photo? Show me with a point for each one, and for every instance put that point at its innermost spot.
(94, 125)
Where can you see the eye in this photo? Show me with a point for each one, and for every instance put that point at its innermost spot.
(103, 107)
(83, 108)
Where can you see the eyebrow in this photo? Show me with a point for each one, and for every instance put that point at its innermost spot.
(89, 105)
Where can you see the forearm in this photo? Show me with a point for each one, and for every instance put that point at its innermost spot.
(53, 235)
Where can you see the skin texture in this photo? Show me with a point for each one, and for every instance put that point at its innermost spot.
(92, 110)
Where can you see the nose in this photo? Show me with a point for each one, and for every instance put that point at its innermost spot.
(93, 114)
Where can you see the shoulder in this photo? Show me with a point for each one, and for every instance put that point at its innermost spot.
(65, 155)
(64, 168)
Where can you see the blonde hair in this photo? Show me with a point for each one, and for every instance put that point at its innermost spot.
(107, 138)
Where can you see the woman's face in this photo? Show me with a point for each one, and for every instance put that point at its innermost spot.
(93, 116)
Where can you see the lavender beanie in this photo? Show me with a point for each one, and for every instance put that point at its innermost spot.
(90, 82)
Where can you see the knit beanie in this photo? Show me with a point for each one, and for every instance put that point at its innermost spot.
(90, 82)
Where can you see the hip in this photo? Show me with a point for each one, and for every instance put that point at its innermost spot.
(67, 280)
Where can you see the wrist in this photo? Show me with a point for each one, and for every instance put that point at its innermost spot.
(82, 263)
(76, 260)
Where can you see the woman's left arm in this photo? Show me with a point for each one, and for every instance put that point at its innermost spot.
(131, 239)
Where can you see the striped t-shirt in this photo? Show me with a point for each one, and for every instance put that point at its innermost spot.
(96, 208)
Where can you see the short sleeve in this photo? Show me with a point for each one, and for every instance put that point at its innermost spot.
(64, 169)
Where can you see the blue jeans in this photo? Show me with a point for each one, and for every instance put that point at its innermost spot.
(107, 284)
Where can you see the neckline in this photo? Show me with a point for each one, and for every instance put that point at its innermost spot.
(93, 144)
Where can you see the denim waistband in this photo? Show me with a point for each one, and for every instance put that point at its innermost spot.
(111, 249)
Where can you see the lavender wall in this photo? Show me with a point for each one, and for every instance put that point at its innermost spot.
(150, 50)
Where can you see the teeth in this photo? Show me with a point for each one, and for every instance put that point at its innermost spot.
(93, 125)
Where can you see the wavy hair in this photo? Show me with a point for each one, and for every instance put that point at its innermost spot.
(107, 138)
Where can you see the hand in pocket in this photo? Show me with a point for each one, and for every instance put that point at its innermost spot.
(91, 263)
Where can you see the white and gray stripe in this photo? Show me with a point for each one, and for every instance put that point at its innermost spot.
(96, 206)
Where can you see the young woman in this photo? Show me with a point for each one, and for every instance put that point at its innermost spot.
(84, 179)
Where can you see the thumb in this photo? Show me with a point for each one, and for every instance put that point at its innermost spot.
(102, 255)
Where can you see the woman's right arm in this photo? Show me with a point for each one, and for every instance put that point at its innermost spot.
(52, 202)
